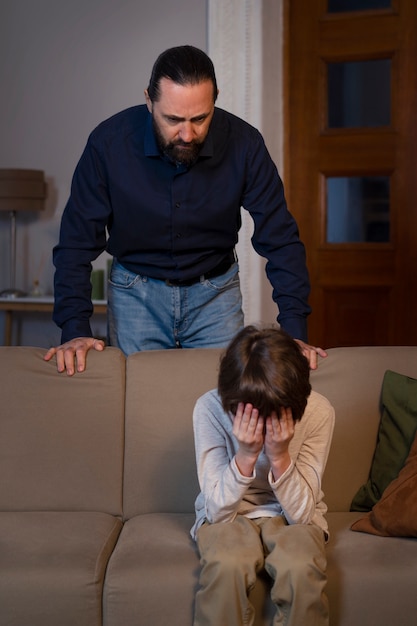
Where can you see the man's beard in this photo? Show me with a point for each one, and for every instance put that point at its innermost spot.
(178, 151)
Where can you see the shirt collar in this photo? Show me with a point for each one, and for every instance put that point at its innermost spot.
(150, 145)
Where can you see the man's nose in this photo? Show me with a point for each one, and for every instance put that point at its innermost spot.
(186, 132)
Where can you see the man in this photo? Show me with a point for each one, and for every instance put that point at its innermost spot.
(262, 440)
(160, 186)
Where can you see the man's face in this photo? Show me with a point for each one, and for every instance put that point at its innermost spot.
(181, 118)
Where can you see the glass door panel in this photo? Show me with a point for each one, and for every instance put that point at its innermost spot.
(338, 6)
(359, 93)
(358, 209)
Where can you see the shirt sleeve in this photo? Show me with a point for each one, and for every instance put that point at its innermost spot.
(299, 489)
(221, 483)
(82, 239)
(276, 238)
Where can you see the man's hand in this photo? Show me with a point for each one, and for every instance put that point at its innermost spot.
(248, 429)
(72, 356)
(311, 353)
(278, 434)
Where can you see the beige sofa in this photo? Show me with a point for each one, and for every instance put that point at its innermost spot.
(97, 486)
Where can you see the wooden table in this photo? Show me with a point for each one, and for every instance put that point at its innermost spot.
(30, 304)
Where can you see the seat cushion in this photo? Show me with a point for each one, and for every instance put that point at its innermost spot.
(52, 567)
(152, 576)
(370, 580)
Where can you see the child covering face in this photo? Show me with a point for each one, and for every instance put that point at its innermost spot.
(262, 440)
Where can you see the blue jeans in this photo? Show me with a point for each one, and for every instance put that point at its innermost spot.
(148, 314)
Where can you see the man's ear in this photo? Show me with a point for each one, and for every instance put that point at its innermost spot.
(148, 101)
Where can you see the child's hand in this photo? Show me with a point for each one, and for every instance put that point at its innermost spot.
(248, 427)
(279, 432)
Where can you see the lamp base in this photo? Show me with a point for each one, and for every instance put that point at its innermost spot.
(12, 293)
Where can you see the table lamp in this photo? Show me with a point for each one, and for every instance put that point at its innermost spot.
(20, 190)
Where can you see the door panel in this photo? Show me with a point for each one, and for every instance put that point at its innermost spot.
(363, 293)
(355, 316)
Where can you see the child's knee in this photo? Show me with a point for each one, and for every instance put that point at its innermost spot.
(231, 563)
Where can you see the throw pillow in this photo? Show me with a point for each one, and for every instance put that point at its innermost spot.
(397, 429)
(395, 515)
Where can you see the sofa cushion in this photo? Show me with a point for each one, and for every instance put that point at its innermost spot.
(154, 552)
(370, 580)
(52, 567)
(153, 574)
(396, 512)
(396, 433)
(351, 379)
(161, 391)
(61, 437)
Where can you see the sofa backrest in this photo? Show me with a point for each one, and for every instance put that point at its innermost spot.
(61, 438)
(63, 445)
(351, 378)
(162, 388)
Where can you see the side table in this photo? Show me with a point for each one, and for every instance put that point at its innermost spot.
(31, 304)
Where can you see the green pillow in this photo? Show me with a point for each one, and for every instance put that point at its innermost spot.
(397, 429)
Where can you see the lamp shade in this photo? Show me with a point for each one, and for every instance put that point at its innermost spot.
(22, 190)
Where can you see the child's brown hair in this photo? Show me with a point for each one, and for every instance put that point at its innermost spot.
(266, 368)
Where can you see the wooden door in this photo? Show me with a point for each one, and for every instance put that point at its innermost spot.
(364, 291)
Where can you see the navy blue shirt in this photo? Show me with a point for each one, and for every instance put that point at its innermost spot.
(167, 221)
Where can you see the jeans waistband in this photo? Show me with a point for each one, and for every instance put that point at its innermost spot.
(221, 268)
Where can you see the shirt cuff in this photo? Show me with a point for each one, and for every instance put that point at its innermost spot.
(245, 479)
(75, 328)
(283, 476)
(295, 326)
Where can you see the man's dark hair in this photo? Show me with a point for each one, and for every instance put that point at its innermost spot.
(184, 65)
(266, 368)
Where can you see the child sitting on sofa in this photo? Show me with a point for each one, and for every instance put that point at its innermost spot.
(262, 439)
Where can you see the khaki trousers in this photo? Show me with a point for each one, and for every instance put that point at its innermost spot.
(233, 553)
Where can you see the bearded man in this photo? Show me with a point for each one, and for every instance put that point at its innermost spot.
(160, 186)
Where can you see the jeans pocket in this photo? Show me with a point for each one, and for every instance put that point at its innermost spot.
(122, 278)
(225, 281)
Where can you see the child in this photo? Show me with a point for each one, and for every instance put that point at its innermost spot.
(262, 440)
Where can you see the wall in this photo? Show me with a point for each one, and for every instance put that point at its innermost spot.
(64, 67)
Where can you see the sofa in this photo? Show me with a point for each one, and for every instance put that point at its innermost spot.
(98, 481)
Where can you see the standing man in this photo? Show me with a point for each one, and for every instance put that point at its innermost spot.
(160, 186)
